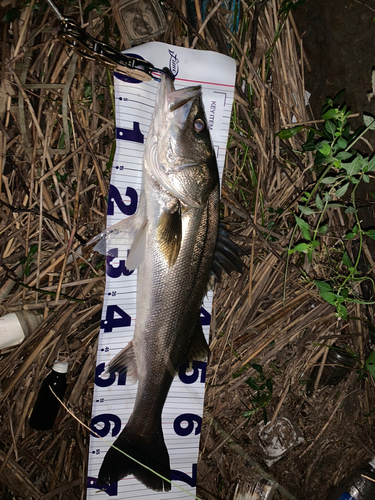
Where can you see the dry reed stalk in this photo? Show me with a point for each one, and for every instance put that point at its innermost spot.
(263, 179)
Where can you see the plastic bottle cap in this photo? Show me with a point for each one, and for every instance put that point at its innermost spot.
(60, 367)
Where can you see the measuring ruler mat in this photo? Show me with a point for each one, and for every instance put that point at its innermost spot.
(113, 396)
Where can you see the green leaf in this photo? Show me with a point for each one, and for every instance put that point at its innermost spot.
(324, 148)
(269, 385)
(11, 15)
(346, 131)
(331, 113)
(371, 164)
(305, 228)
(265, 418)
(309, 146)
(306, 210)
(61, 143)
(370, 233)
(345, 293)
(301, 247)
(33, 250)
(353, 167)
(328, 180)
(369, 121)
(327, 197)
(341, 143)
(330, 128)
(335, 205)
(366, 178)
(311, 135)
(318, 202)
(370, 364)
(329, 297)
(350, 210)
(323, 229)
(339, 299)
(257, 367)
(341, 311)
(251, 383)
(350, 236)
(323, 286)
(347, 260)
(342, 190)
(339, 95)
(290, 132)
(344, 155)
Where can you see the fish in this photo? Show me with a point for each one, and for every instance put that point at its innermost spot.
(172, 240)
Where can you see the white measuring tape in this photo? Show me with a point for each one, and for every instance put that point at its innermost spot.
(113, 398)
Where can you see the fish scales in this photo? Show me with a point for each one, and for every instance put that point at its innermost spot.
(172, 240)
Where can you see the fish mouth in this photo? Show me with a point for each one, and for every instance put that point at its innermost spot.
(175, 99)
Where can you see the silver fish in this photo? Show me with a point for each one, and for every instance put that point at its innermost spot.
(172, 240)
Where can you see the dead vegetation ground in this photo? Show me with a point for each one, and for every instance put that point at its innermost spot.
(56, 144)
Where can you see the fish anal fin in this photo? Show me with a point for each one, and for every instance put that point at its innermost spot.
(198, 349)
(124, 362)
(169, 232)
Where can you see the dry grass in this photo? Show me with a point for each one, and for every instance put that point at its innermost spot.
(56, 141)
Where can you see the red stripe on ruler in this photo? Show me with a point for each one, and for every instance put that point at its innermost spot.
(206, 83)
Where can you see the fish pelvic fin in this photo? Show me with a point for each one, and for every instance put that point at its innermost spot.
(169, 232)
(151, 452)
(124, 362)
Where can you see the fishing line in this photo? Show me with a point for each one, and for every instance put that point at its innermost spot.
(117, 449)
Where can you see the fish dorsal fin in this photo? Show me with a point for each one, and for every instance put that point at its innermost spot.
(169, 232)
(198, 349)
(124, 362)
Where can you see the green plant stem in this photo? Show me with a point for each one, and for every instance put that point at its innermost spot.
(357, 138)
(351, 274)
(320, 220)
(287, 261)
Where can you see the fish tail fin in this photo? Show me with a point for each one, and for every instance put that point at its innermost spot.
(150, 452)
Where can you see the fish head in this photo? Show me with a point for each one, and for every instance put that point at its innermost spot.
(183, 159)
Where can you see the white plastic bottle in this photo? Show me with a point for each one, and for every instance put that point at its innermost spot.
(15, 327)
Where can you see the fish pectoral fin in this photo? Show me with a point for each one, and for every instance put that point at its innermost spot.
(169, 232)
(198, 348)
(138, 248)
(124, 362)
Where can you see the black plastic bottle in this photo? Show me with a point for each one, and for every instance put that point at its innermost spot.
(47, 406)
(359, 485)
(337, 366)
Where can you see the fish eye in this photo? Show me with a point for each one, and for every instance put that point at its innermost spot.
(199, 125)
